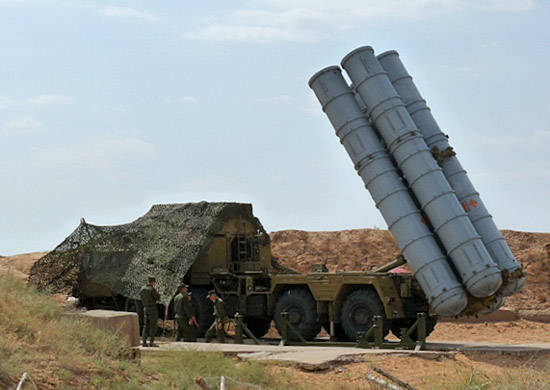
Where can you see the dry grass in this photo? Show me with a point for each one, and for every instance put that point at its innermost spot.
(61, 352)
(55, 350)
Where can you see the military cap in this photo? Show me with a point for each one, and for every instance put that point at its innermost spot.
(151, 279)
(211, 292)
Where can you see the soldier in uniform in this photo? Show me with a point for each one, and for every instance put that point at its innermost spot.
(186, 322)
(219, 319)
(149, 297)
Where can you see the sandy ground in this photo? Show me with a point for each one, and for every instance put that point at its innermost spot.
(513, 332)
(457, 371)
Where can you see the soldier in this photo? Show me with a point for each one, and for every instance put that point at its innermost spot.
(186, 322)
(219, 319)
(149, 297)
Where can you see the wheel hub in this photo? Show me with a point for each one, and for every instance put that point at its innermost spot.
(361, 316)
(294, 316)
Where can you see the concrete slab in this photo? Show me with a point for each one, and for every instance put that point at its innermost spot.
(126, 324)
(319, 357)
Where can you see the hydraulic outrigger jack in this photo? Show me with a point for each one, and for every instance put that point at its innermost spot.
(373, 338)
(240, 329)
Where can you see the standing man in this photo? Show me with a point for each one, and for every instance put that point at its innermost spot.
(220, 318)
(149, 297)
(186, 322)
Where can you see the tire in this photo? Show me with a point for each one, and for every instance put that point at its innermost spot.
(204, 309)
(358, 311)
(302, 310)
(258, 326)
(338, 331)
(407, 323)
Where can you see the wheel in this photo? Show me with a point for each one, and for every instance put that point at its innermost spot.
(358, 311)
(302, 313)
(407, 323)
(258, 326)
(204, 309)
(338, 331)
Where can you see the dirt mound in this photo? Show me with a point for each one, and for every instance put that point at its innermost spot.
(19, 265)
(346, 250)
(532, 250)
(365, 249)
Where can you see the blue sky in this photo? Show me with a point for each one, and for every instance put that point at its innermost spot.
(108, 107)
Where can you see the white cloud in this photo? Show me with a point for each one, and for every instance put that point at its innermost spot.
(4, 102)
(36, 101)
(188, 100)
(312, 20)
(98, 154)
(279, 99)
(260, 34)
(22, 126)
(539, 139)
(127, 13)
(46, 100)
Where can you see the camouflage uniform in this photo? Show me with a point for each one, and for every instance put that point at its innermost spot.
(149, 298)
(219, 319)
(184, 313)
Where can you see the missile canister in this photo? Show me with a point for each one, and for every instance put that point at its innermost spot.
(479, 274)
(453, 171)
(404, 219)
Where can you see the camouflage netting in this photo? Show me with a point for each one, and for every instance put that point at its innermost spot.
(118, 259)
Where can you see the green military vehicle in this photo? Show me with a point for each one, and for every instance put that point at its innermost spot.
(222, 246)
(238, 264)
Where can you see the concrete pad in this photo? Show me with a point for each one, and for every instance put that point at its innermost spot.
(315, 357)
(300, 354)
(125, 324)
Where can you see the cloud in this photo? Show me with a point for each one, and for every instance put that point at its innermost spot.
(188, 100)
(46, 100)
(313, 20)
(243, 33)
(98, 154)
(539, 139)
(25, 125)
(279, 99)
(36, 101)
(4, 102)
(127, 13)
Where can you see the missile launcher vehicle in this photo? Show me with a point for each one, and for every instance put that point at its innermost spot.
(223, 246)
(461, 264)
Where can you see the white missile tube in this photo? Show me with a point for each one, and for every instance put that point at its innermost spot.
(372, 162)
(457, 177)
(479, 274)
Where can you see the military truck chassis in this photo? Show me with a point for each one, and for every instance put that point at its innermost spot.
(342, 303)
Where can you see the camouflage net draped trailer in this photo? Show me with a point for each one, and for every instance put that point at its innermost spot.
(221, 246)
